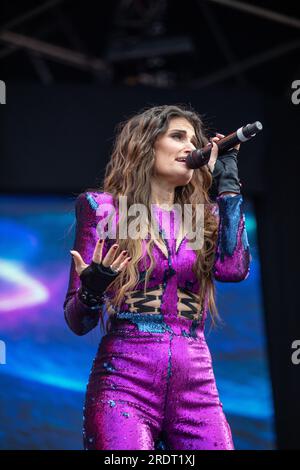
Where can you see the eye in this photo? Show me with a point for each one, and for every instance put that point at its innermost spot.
(179, 136)
(182, 136)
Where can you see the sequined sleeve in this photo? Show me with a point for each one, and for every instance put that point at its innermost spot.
(80, 318)
(232, 260)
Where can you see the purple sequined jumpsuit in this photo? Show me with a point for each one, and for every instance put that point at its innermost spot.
(152, 378)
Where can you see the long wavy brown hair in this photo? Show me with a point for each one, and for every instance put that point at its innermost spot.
(129, 173)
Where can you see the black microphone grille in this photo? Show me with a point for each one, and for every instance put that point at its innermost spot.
(252, 129)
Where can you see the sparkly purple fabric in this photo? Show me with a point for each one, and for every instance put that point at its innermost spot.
(152, 376)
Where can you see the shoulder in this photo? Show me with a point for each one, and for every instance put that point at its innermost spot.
(91, 200)
(90, 204)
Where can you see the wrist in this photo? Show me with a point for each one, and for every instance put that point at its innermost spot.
(89, 297)
(210, 168)
(229, 183)
(96, 278)
(228, 193)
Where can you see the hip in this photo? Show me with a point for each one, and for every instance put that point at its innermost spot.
(153, 345)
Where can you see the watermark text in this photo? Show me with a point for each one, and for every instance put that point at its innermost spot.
(296, 94)
(296, 354)
(139, 226)
(2, 92)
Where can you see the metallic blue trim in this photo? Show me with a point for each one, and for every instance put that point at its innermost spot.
(108, 366)
(146, 322)
(169, 360)
(94, 204)
(230, 215)
(245, 236)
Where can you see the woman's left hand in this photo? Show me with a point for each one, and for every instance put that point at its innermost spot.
(214, 151)
(224, 170)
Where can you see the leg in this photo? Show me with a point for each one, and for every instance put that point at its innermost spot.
(117, 427)
(194, 414)
(126, 393)
(206, 430)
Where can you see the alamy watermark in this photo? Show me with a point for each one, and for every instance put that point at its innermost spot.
(2, 352)
(2, 92)
(139, 225)
(296, 94)
(296, 354)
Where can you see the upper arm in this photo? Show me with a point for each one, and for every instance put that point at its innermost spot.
(80, 317)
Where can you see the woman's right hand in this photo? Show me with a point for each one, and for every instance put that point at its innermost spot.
(119, 263)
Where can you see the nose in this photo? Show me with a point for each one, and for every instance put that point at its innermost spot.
(189, 147)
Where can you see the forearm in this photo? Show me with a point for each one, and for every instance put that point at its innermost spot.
(232, 259)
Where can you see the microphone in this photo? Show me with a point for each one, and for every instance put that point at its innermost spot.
(200, 157)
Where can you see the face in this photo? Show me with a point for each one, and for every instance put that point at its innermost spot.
(177, 142)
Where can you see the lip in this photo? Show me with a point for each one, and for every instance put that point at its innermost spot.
(179, 161)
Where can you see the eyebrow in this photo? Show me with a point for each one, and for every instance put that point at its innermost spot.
(182, 130)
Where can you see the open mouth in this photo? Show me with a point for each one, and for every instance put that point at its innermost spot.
(181, 159)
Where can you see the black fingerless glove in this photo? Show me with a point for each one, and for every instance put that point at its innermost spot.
(225, 175)
(94, 280)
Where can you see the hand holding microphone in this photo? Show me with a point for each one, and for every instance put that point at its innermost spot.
(224, 170)
(215, 153)
(221, 157)
(200, 157)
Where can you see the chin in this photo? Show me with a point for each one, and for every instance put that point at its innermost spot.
(187, 178)
(184, 182)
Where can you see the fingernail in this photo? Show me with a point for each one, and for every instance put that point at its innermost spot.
(72, 252)
(115, 247)
(100, 240)
(129, 258)
(124, 252)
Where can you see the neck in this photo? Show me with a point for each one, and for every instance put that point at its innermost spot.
(161, 194)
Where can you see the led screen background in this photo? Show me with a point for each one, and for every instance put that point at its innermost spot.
(47, 367)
